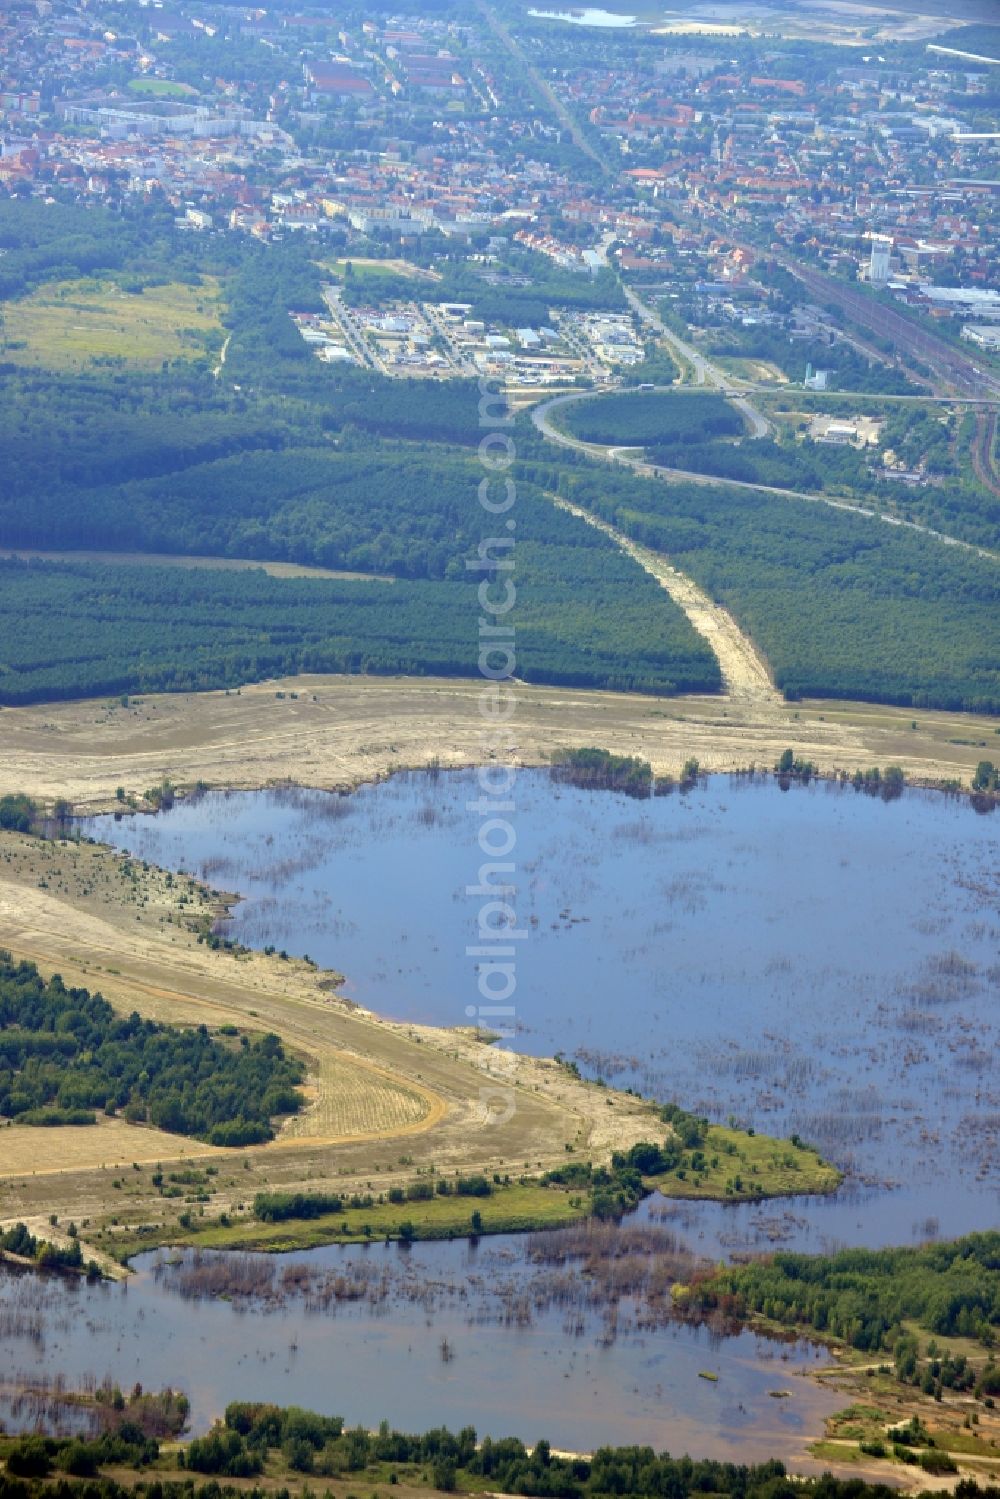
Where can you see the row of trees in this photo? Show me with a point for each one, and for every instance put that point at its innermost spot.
(600, 770)
(321, 1445)
(284, 1207)
(17, 1240)
(47, 241)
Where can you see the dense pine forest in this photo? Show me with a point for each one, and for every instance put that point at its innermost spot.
(841, 606)
(652, 417)
(65, 1053)
(285, 459)
(865, 1296)
(586, 618)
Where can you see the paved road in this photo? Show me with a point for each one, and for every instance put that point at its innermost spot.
(541, 417)
(353, 336)
(705, 372)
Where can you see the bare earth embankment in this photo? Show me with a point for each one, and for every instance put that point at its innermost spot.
(387, 1101)
(341, 731)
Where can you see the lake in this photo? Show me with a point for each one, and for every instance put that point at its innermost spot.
(804, 959)
(809, 960)
(450, 1334)
(588, 15)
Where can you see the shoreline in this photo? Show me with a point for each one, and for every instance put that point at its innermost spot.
(880, 790)
(372, 1039)
(336, 733)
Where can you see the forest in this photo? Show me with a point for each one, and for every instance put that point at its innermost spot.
(321, 1445)
(863, 1296)
(340, 507)
(288, 466)
(692, 432)
(652, 417)
(289, 460)
(804, 466)
(841, 606)
(55, 242)
(286, 1207)
(64, 1053)
(951, 499)
(587, 617)
(312, 1447)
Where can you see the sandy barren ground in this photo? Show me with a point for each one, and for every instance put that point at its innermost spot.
(385, 1099)
(339, 731)
(744, 671)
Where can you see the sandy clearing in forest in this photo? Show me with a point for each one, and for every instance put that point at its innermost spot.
(376, 1087)
(744, 670)
(192, 562)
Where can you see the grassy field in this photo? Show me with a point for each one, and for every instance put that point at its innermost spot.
(110, 1143)
(365, 269)
(69, 325)
(161, 88)
(512, 1209)
(743, 1167)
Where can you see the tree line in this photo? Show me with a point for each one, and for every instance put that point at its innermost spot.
(864, 1296)
(64, 1053)
(841, 605)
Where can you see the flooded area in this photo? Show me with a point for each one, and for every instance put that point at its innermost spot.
(489, 1335)
(750, 951)
(744, 950)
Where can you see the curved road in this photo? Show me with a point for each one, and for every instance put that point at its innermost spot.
(705, 372)
(540, 416)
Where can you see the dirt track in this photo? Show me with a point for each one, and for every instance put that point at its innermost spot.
(744, 670)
